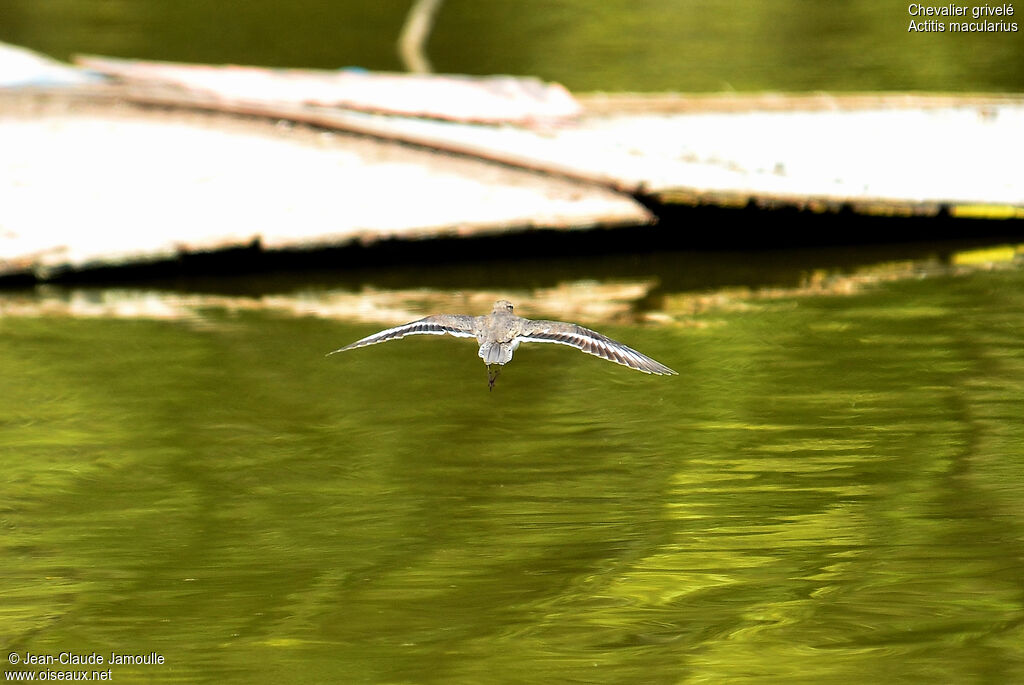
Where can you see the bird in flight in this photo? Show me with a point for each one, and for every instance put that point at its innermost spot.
(501, 332)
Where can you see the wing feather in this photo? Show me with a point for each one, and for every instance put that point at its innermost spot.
(441, 324)
(593, 343)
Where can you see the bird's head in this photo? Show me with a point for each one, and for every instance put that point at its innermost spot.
(502, 306)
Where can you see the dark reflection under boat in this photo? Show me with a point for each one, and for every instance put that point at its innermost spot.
(661, 288)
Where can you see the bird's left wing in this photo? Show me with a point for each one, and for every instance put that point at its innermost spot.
(593, 343)
(453, 324)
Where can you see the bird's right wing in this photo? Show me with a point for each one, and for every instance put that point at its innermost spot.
(593, 343)
(453, 324)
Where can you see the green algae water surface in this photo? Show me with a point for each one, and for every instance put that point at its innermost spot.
(832, 491)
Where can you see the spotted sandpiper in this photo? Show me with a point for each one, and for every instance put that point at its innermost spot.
(500, 333)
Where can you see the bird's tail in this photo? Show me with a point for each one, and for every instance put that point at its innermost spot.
(496, 353)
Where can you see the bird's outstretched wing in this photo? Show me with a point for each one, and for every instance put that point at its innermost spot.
(593, 343)
(453, 324)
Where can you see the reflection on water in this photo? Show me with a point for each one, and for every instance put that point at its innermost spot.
(830, 492)
(642, 292)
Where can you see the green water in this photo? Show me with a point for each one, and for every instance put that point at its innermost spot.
(614, 45)
(830, 492)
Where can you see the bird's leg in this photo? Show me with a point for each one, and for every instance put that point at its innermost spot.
(492, 375)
